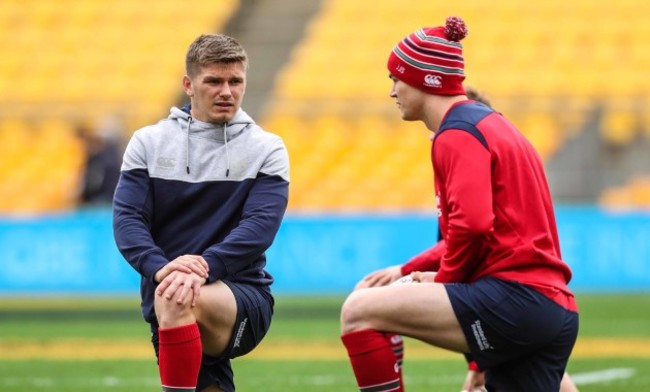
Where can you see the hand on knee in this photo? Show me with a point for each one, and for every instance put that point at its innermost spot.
(176, 296)
(172, 314)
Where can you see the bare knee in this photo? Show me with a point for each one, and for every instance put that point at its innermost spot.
(171, 314)
(352, 315)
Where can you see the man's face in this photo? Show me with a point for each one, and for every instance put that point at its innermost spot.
(409, 99)
(216, 92)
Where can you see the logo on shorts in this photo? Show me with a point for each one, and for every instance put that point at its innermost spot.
(433, 81)
(240, 332)
(479, 335)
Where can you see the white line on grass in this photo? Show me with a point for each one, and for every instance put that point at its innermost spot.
(43, 383)
(601, 376)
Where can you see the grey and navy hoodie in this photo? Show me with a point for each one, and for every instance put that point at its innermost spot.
(190, 187)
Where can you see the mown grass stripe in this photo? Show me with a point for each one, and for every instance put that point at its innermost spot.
(71, 349)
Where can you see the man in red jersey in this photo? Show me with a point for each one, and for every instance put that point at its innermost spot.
(500, 292)
(426, 261)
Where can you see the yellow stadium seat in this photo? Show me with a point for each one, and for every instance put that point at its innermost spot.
(547, 66)
(633, 194)
(82, 62)
(618, 126)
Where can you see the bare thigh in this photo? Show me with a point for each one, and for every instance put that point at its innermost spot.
(216, 313)
(420, 310)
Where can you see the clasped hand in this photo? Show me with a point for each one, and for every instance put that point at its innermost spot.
(181, 279)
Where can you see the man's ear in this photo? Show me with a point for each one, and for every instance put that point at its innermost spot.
(187, 86)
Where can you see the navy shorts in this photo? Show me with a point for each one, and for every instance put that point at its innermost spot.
(254, 313)
(521, 338)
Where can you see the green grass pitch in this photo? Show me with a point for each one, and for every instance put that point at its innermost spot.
(76, 345)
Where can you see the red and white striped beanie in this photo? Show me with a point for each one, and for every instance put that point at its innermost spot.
(431, 59)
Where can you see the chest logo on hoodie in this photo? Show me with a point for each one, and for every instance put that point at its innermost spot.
(165, 163)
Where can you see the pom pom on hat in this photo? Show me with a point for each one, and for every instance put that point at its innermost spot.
(431, 58)
(455, 29)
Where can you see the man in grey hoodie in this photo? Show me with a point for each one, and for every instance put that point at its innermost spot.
(200, 199)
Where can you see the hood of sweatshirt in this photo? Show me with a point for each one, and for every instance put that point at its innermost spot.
(213, 131)
(219, 132)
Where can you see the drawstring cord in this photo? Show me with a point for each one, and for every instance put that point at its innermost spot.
(225, 138)
(187, 156)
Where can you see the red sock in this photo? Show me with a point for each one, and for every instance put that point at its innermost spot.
(397, 344)
(373, 362)
(179, 357)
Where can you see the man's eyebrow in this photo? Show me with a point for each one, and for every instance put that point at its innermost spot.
(211, 78)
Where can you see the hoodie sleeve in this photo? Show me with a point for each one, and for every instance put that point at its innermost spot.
(132, 214)
(261, 217)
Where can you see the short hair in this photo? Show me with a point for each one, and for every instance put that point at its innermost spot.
(214, 49)
(476, 95)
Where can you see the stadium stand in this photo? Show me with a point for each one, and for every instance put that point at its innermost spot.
(635, 194)
(83, 62)
(544, 64)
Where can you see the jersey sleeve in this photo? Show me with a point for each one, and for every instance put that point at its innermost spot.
(462, 165)
(428, 260)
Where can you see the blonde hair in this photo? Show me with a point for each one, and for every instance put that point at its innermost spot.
(214, 49)
(475, 95)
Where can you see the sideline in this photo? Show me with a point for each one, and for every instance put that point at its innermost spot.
(601, 376)
(71, 349)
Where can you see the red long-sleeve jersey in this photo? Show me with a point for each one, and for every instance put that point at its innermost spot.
(495, 209)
